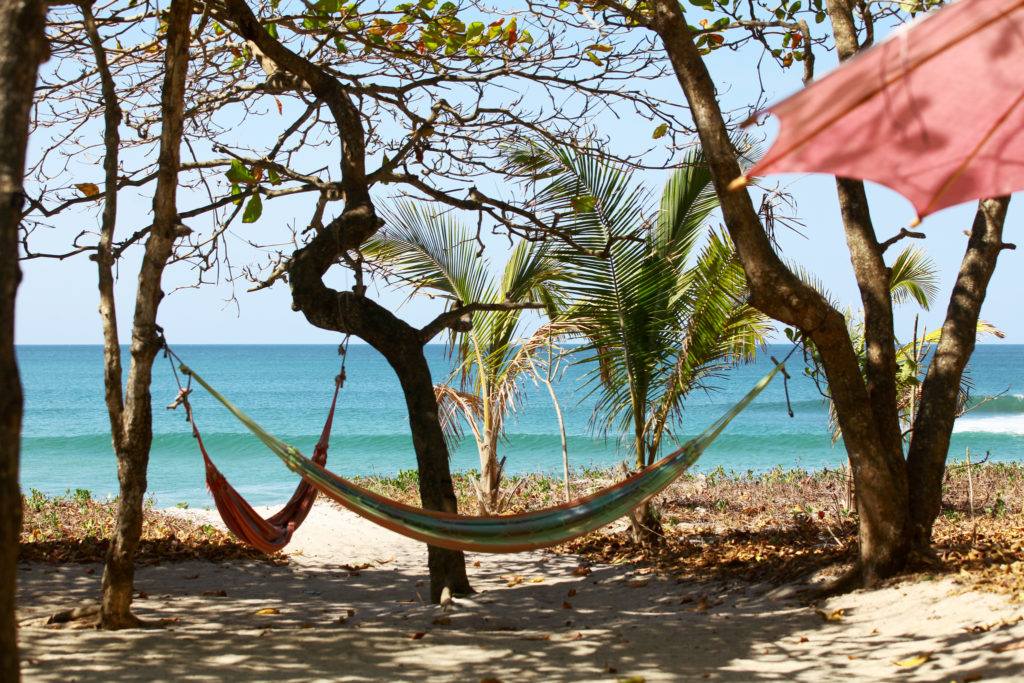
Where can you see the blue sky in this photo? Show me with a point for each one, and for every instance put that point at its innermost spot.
(57, 300)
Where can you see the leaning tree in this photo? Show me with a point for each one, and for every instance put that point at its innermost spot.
(899, 493)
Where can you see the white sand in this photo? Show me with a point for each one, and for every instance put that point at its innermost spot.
(335, 624)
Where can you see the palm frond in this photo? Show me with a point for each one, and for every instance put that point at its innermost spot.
(431, 251)
(456, 408)
(914, 275)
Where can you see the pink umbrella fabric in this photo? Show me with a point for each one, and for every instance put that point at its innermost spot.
(935, 112)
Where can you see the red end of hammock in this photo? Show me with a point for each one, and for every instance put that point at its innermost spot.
(273, 533)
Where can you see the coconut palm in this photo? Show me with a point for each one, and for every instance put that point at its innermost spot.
(437, 255)
(657, 297)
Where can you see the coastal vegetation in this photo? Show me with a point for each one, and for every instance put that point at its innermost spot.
(776, 526)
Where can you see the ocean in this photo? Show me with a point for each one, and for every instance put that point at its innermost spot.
(287, 389)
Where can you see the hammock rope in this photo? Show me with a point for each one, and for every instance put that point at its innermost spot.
(493, 534)
(266, 534)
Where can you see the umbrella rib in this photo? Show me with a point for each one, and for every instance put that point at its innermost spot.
(970, 157)
(770, 159)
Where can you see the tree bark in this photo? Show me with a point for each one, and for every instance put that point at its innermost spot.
(777, 292)
(933, 425)
(23, 47)
(135, 433)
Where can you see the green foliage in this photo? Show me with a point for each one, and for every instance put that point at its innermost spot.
(36, 500)
(253, 210)
(435, 254)
(657, 298)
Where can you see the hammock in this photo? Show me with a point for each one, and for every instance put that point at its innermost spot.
(507, 534)
(273, 533)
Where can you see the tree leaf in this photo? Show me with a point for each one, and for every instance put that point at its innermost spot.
(253, 210)
(238, 173)
(660, 131)
(88, 189)
(915, 661)
(583, 203)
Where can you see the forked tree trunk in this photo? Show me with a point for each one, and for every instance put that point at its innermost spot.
(402, 346)
(23, 47)
(878, 472)
(898, 500)
(133, 428)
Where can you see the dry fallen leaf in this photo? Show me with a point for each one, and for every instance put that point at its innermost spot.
(572, 592)
(802, 639)
(631, 679)
(267, 610)
(566, 605)
(916, 660)
(390, 559)
(443, 621)
(515, 581)
(537, 579)
(702, 605)
(834, 615)
(221, 593)
(477, 563)
(639, 583)
(972, 678)
(356, 567)
(490, 680)
(582, 571)
(418, 635)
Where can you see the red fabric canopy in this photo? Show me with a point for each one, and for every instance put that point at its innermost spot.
(935, 112)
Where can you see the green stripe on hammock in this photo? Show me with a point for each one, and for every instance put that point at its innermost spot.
(503, 534)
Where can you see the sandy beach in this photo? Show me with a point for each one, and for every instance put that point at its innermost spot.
(350, 606)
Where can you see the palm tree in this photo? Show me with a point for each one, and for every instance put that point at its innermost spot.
(658, 298)
(437, 255)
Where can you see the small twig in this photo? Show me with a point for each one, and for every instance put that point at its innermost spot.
(896, 238)
(970, 498)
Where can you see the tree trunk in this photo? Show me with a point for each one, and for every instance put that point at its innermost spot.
(933, 425)
(23, 47)
(778, 293)
(135, 435)
(447, 567)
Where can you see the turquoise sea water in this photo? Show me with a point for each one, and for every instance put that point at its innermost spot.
(66, 439)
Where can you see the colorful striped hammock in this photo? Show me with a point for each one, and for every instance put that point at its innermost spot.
(503, 534)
